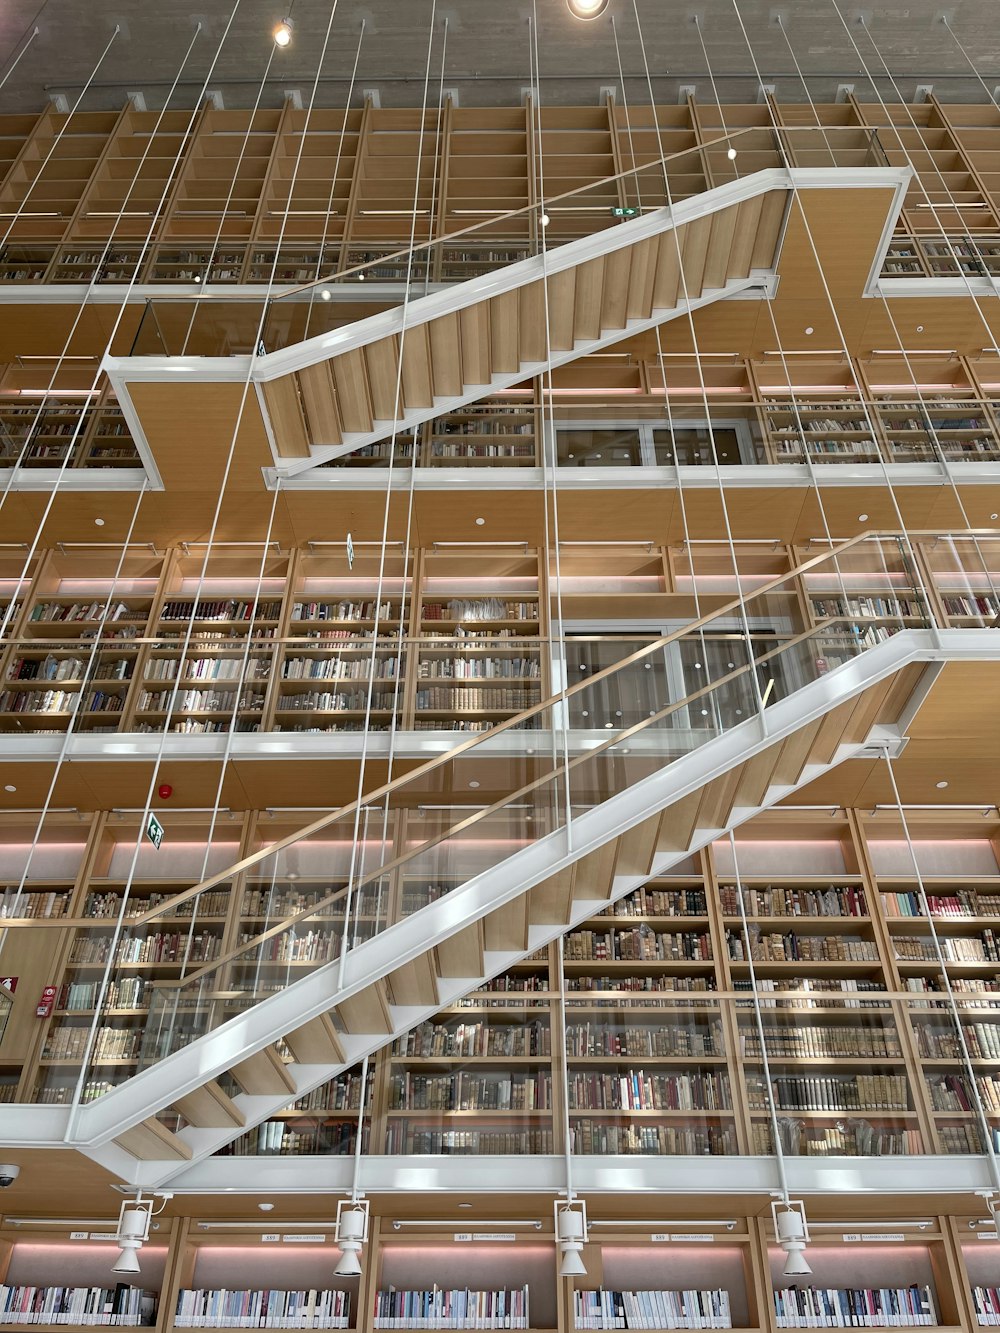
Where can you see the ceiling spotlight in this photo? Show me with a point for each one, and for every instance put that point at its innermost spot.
(283, 33)
(545, 219)
(350, 1234)
(480, 522)
(731, 154)
(940, 785)
(920, 328)
(862, 518)
(809, 329)
(266, 1207)
(792, 1231)
(587, 9)
(571, 1232)
(361, 277)
(474, 785)
(99, 522)
(134, 1218)
(9, 786)
(994, 515)
(325, 294)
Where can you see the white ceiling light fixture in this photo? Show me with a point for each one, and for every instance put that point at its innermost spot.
(572, 1235)
(587, 9)
(792, 1230)
(351, 1235)
(283, 33)
(132, 1233)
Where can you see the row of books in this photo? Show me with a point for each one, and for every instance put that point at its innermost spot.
(326, 701)
(638, 944)
(199, 701)
(987, 1304)
(853, 1307)
(340, 668)
(345, 610)
(661, 902)
(70, 1043)
(599, 1138)
(809, 992)
(126, 993)
(466, 698)
(37, 701)
(950, 1092)
(831, 1041)
(955, 949)
(479, 608)
(278, 1138)
(790, 948)
(311, 946)
(470, 1092)
(201, 1308)
(208, 668)
(479, 449)
(46, 904)
(853, 1137)
(46, 668)
(652, 1309)
(87, 1306)
(769, 901)
(428, 1040)
(942, 1043)
(866, 606)
(638, 1091)
(213, 902)
(66, 612)
(832, 1092)
(165, 947)
(596, 1039)
(971, 606)
(478, 668)
(406, 1139)
(219, 608)
(639, 985)
(458, 1308)
(962, 904)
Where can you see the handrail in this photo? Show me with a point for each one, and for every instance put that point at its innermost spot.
(480, 814)
(448, 237)
(510, 723)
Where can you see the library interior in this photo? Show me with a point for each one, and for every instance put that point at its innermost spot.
(499, 665)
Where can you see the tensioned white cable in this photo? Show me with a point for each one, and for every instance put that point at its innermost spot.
(550, 462)
(707, 659)
(564, 1042)
(807, 230)
(989, 1149)
(98, 644)
(946, 21)
(335, 173)
(779, 1153)
(223, 215)
(806, 456)
(354, 864)
(123, 306)
(703, 385)
(943, 461)
(57, 140)
(185, 647)
(17, 59)
(437, 172)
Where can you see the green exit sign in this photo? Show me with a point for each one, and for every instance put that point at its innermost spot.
(154, 831)
(624, 212)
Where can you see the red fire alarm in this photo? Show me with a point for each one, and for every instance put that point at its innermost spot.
(164, 791)
(47, 1003)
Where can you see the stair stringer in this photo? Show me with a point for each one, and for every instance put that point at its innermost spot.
(160, 1085)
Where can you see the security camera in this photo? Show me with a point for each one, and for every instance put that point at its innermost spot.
(8, 1174)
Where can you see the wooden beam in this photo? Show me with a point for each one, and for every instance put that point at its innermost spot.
(208, 1107)
(153, 1142)
(263, 1074)
(316, 1043)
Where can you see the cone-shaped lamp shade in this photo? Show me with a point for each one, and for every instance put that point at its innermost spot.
(572, 1264)
(127, 1261)
(796, 1264)
(349, 1263)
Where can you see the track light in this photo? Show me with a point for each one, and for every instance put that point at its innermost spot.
(283, 32)
(792, 1230)
(350, 1235)
(571, 1231)
(132, 1232)
(587, 9)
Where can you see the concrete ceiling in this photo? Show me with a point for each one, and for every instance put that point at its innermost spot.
(487, 57)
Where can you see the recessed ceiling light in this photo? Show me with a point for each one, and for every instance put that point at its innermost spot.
(809, 329)
(587, 9)
(283, 33)
(326, 294)
(266, 1207)
(473, 784)
(465, 1205)
(920, 328)
(9, 786)
(994, 515)
(99, 522)
(480, 522)
(862, 518)
(940, 785)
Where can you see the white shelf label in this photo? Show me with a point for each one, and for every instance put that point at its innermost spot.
(304, 1240)
(873, 1235)
(269, 1237)
(103, 1235)
(461, 1236)
(78, 1235)
(659, 1237)
(502, 1236)
(698, 1237)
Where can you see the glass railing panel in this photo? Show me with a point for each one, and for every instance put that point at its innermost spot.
(966, 575)
(957, 1042)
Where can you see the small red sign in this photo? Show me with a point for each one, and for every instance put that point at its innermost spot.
(9, 983)
(47, 1002)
